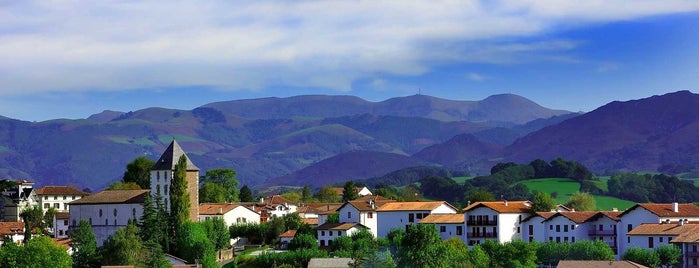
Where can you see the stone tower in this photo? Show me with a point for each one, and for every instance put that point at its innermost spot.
(162, 173)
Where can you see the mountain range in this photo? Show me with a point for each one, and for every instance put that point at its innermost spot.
(318, 140)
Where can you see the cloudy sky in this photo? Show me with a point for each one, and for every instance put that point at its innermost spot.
(70, 59)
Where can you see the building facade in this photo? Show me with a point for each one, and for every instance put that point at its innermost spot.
(163, 172)
(402, 214)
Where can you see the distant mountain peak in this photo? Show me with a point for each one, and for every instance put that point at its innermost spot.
(105, 116)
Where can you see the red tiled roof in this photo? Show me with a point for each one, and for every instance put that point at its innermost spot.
(443, 218)
(664, 229)
(290, 233)
(114, 197)
(588, 264)
(60, 190)
(11, 227)
(412, 206)
(277, 199)
(62, 242)
(310, 221)
(503, 206)
(62, 215)
(216, 208)
(339, 226)
(665, 210)
(544, 215)
(575, 216)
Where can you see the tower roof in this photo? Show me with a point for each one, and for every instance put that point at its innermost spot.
(169, 159)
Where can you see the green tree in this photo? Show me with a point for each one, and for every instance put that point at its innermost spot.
(138, 171)
(123, 247)
(333, 218)
(543, 202)
(35, 220)
(179, 197)
(421, 247)
(642, 256)
(246, 194)
(306, 195)
(517, 253)
(226, 178)
(581, 202)
(669, 255)
(378, 259)
(589, 250)
(275, 227)
(479, 195)
(217, 232)
(303, 241)
(193, 244)
(120, 185)
(155, 258)
(349, 192)
(411, 193)
(328, 195)
(456, 253)
(478, 257)
(549, 253)
(293, 196)
(84, 244)
(211, 192)
(38, 252)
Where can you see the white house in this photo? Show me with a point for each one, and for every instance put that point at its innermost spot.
(652, 213)
(568, 226)
(329, 231)
(286, 237)
(401, 214)
(534, 228)
(61, 224)
(688, 241)
(17, 199)
(361, 191)
(653, 235)
(278, 206)
(231, 213)
(499, 220)
(604, 226)
(448, 225)
(58, 197)
(107, 211)
(363, 211)
(13, 229)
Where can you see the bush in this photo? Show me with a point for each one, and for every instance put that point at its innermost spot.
(304, 241)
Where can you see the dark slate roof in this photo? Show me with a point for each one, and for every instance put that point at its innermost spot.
(170, 157)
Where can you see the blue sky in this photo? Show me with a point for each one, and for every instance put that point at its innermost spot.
(75, 58)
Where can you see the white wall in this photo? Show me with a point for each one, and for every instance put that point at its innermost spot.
(633, 218)
(238, 215)
(471, 229)
(59, 202)
(641, 241)
(606, 234)
(561, 229)
(107, 224)
(538, 228)
(450, 231)
(324, 236)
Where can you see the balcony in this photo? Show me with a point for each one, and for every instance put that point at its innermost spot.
(482, 235)
(482, 222)
(601, 232)
(692, 254)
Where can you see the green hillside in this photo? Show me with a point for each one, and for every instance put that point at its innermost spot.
(564, 188)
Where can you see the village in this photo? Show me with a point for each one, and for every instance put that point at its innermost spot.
(644, 225)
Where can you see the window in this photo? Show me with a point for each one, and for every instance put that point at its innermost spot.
(459, 230)
(531, 239)
(629, 227)
(550, 238)
(60, 232)
(157, 188)
(106, 221)
(565, 228)
(550, 227)
(73, 197)
(55, 197)
(558, 239)
(114, 222)
(565, 239)
(90, 220)
(650, 242)
(74, 223)
(165, 189)
(660, 239)
(419, 216)
(57, 205)
(370, 215)
(100, 213)
(64, 197)
(573, 239)
(322, 233)
(330, 233)
(65, 205)
(442, 229)
(115, 212)
(47, 205)
(157, 176)
(518, 230)
(65, 222)
(46, 198)
(531, 229)
(349, 214)
(322, 243)
(628, 239)
(558, 228)
(572, 227)
(133, 212)
(411, 217)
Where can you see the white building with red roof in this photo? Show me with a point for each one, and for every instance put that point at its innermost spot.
(497, 220)
(329, 231)
(402, 214)
(230, 213)
(58, 197)
(448, 225)
(653, 213)
(363, 210)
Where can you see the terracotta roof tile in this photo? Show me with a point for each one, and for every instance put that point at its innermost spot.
(310, 221)
(665, 210)
(664, 229)
(216, 208)
(686, 237)
(62, 215)
(60, 190)
(574, 216)
(290, 233)
(409, 206)
(62, 242)
(443, 218)
(339, 226)
(503, 206)
(365, 204)
(114, 197)
(276, 200)
(544, 215)
(11, 227)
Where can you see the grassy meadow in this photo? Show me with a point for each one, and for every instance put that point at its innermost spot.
(564, 188)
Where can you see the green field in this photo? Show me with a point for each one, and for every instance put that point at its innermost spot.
(566, 187)
(461, 180)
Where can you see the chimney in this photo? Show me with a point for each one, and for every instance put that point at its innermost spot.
(615, 209)
(675, 207)
(220, 211)
(505, 202)
(262, 200)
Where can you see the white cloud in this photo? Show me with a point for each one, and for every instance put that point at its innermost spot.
(112, 45)
(476, 77)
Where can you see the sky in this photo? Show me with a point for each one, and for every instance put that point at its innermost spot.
(71, 59)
